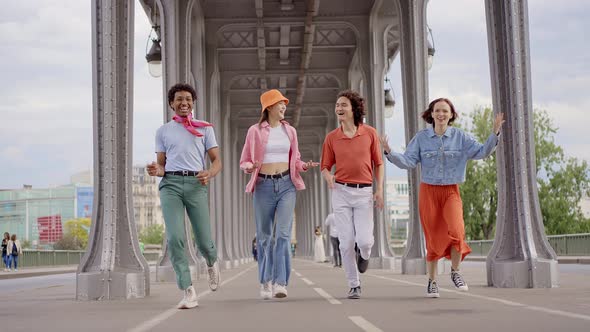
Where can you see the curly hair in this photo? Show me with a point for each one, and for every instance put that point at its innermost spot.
(427, 115)
(181, 87)
(358, 105)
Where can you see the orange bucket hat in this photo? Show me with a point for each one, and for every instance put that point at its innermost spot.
(270, 98)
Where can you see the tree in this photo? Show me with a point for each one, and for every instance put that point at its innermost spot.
(75, 235)
(562, 181)
(153, 234)
(479, 192)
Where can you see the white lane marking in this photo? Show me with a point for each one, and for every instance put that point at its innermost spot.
(326, 296)
(298, 274)
(150, 324)
(495, 299)
(307, 281)
(364, 324)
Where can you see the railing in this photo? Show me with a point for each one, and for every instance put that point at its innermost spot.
(564, 245)
(34, 258)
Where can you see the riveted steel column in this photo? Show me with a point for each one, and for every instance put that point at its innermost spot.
(415, 91)
(521, 255)
(113, 267)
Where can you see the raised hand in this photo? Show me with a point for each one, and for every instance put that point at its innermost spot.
(384, 143)
(498, 122)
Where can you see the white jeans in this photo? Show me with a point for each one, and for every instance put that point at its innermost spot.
(353, 213)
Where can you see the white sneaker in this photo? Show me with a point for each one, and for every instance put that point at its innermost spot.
(265, 291)
(189, 300)
(280, 291)
(15, 270)
(213, 272)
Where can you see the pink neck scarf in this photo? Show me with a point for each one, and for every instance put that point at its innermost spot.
(191, 125)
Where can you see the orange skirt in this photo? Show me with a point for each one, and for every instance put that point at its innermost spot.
(441, 216)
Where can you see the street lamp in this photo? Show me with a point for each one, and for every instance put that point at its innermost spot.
(389, 99)
(431, 49)
(154, 56)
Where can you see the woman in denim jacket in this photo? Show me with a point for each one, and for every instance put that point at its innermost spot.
(443, 152)
(271, 155)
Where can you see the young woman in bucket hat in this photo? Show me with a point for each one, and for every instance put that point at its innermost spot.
(271, 155)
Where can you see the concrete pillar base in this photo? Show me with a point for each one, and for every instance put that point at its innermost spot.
(518, 273)
(105, 285)
(414, 266)
(384, 263)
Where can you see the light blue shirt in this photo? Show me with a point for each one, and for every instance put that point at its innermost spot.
(443, 159)
(184, 151)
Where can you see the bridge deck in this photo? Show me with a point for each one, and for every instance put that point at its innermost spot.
(317, 301)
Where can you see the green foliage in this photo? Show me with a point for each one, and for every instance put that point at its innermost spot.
(153, 234)
(75, 235)
(26, 244)
(68, 242)
(562, 181)
(479, 192)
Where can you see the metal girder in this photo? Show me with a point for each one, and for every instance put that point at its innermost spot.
(415, 90)
(113, 266)
(521, 255)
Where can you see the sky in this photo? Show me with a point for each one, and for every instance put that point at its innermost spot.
(46, 81)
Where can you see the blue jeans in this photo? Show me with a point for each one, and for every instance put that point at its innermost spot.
(13, 259)
(5, 260)
(274, 203)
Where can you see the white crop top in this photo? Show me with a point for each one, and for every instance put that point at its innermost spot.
(278, 146)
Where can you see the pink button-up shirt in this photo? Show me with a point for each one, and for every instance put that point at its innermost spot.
(254, 149)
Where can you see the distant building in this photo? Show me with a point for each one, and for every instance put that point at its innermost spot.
(398, 208)
(146, 199)
(37, 215)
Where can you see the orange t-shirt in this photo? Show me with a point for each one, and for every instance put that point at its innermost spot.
(355, 157)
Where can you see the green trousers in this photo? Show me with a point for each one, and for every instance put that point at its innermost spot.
(177, 194)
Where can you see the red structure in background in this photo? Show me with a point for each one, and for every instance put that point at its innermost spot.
(49, 229)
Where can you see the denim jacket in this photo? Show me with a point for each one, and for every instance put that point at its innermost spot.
(443, 159)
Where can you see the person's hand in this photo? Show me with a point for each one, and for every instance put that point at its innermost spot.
(329, 179)
(498, 122)
(204, 177)
(310, 164)
(378, 199)
(254, 166)
(155, 169)
(384, 144)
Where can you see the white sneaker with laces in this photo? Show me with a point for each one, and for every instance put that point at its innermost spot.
(189, 300)
(280, 291)
(265, 291)
(213, 272)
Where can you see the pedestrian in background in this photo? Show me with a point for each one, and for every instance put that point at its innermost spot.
(5, 240)
(329, 222)
(14, 251)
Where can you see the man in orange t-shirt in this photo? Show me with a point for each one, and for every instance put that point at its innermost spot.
(354, 149)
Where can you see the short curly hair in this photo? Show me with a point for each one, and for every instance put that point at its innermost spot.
(427, 115)
(181, 87)
(358, 105)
